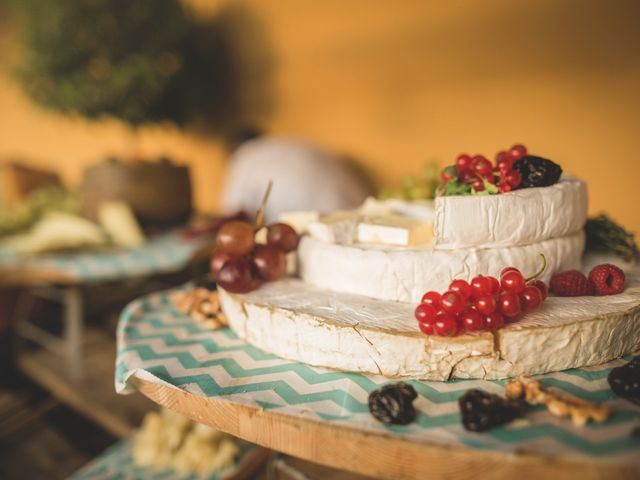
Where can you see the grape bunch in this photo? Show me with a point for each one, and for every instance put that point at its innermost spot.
(474, 174)
(240, 265)
(485, 303)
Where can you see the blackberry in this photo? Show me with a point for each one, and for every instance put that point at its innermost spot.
(393, 403)
(482, 410)
(537, 171)
(625, 380)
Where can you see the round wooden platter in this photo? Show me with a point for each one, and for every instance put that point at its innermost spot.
(378, 455)
(354, 333)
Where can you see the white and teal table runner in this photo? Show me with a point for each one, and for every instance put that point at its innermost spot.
(159, 344)
(160, 254)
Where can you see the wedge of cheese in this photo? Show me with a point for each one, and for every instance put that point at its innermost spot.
(520, 217)
(405, 274)
(394, 230)
(339, 227)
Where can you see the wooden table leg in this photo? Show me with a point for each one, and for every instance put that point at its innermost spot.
(73, 327)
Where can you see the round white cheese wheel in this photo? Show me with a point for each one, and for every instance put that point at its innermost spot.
(521, 217)
(403, 274)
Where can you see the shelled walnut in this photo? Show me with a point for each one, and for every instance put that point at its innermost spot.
(560, 405)
(201, 304)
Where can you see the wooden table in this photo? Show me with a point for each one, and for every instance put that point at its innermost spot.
(321, 415)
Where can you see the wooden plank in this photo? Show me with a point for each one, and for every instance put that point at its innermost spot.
(93, 395)
(384, 456)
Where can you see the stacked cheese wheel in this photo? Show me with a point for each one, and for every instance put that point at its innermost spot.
(472, 235)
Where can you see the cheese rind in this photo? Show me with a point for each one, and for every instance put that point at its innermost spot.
(355, 333)
(520, 217)
(404, 274)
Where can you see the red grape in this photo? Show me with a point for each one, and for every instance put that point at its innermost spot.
(236, 276)
(270, 262)
(235, 238)
(282, 236)
(218, 259)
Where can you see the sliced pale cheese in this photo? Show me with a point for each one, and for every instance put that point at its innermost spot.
(405, 274)
(350, 332)
(338, 227)
(300, 221)
(394, 230)
(520, 217)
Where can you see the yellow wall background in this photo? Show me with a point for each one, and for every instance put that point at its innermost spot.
(394, 83)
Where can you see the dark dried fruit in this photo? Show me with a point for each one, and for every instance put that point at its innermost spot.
(393, 403)
(537, 171)
(625, 380)
(482, 410)
(206, 281)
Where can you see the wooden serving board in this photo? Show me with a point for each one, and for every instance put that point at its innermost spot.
(354, 333)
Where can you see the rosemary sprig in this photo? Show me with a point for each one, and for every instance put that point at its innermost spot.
(605, 235)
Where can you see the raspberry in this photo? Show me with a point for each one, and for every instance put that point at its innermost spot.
(571, 283)
(607, 279)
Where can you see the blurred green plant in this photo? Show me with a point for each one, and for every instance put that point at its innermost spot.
(414, 187)
(140, 61)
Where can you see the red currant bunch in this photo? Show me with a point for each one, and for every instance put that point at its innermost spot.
(239, 265)
(477, 171)
(485, 303)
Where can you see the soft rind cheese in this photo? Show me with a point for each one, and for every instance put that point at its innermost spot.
(394, 230)
(520, 217)
(405, 274)
(350, 332)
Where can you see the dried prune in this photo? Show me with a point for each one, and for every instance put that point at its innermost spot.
(393, 403)
(537, 171)
(625, 380)
(481, 410)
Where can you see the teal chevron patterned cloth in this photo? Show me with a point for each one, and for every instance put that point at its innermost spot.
(160, 344)
(116, 463)
(161, 254)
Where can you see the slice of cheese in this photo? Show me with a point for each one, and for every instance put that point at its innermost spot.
(339, 227)
(520, 217)
(300, 220)
(405, 274)
(394, 230)
(354, 333)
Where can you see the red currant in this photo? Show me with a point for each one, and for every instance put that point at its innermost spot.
(509, 304)
(502, 154)
(505, 165)
(480, 285)
(426, 328)
(513, 178)
(517, 151)
(493, 321)
(449, 173)
(495, 285)
(483, 167)
(463, 162)
(530, 298)
(512, 281)
(432, 299)
(504, 188)
(467, 176)
(445, 325)
(452, 302)
(486, 304)
(508, 269)
(477, 158)
(540, 285)
(478, 185)
(425, 313)
(471, 320)
(462, 287)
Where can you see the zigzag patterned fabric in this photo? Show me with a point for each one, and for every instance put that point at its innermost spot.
(157, 342)
(161, 254)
